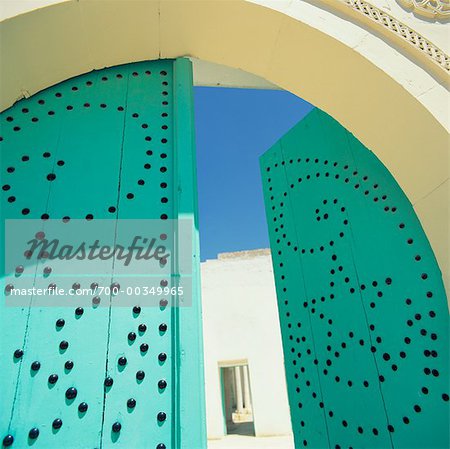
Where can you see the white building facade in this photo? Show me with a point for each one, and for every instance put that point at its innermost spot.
(242, 340)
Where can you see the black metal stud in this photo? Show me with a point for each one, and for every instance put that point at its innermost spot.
(161, 416)
(142, 327)
(35, 366)
(68, 365)
(33, 433)
(57, 423)
(144, 347)
(136, 310)
(18, 353)
(8, 440)
(71, 393)
(19, 269)
(131, 336)
(64, 345)
(162, 357)
(9, 288)
(109, 381)
(140, 375)
(96, 300)
(161, 446)
(163, 327)
(122, 361)
(47, 270)
(82, 408)
(52, 379)
(76, 286)
(60, 323)
(116, 427)
(131, 403)
(162, 384)
(79, 311)
(94, 286)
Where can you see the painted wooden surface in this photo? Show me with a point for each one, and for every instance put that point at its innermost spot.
(117, 144)
(363, 312)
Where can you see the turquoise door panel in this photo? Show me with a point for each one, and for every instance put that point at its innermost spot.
(115, 370)
(363, 311)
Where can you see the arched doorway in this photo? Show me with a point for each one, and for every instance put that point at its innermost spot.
(135, 122)
(399, 145)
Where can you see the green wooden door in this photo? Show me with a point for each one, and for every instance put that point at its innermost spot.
(104, 370)
(362, 307)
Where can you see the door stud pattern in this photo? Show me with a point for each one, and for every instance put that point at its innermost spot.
(363, 311)
(99, 146)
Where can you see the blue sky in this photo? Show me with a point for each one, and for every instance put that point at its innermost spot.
(233, 128)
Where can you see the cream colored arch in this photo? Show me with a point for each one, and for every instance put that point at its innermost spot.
(51, 44)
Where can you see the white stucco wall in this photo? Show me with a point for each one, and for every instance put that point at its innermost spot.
(367, 41)
(240, 321)
(417, 80)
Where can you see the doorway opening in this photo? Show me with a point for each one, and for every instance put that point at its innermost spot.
(233, 128)
(237, 399)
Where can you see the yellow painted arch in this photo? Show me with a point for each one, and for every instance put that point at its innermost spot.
(48, 45)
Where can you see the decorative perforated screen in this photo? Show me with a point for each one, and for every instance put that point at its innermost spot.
(114, 144)
(363, 311)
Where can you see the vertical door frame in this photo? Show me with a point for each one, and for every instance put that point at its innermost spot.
(189, 391)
